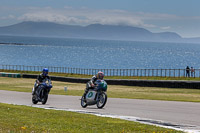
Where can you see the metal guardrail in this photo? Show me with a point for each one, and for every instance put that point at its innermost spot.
(108, 72)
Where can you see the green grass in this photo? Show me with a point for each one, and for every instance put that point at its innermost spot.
(114, 91)
(166, 94)
(28, 119)
(107, 77)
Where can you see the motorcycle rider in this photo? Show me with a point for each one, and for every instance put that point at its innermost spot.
(41, 78)
(91, 84)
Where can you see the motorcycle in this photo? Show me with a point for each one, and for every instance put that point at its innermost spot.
(96, 96)
(41, 94)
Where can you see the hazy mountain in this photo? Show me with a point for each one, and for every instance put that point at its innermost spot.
(192, 40)
(94, 31)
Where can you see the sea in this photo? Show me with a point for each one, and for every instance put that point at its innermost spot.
(97, 54)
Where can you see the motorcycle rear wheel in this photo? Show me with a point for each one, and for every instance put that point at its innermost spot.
(83, 102)
(102, 100)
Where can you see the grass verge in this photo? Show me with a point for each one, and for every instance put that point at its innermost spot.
(114, 91)
(29, 119)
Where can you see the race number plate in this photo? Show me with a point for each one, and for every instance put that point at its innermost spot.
(91, 95)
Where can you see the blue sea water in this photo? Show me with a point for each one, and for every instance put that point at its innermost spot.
(99, 54)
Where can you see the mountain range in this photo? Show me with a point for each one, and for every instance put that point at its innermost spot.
(93, 31)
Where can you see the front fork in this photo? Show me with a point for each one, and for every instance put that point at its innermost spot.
(98, 96)
(34, 88)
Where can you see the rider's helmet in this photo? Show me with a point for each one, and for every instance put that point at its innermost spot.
(45, 71)
(100, 75)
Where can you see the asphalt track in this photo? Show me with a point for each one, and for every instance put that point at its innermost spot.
(183, 116)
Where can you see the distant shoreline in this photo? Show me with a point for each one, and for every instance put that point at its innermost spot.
(12, 44)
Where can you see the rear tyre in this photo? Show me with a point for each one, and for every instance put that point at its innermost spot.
(34, 100)
(83, 102)
(102, 100)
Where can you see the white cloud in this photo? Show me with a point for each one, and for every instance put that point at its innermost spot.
(157, 16)
(7, 17)
(44, 16)
(165, 28)
(84, 16)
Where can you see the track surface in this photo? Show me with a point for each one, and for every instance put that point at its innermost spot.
(183, 115)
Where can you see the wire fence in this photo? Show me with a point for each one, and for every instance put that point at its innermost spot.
(108, 72)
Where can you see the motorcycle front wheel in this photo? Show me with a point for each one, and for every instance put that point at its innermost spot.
(102, 100)
(43, 96)
(83, 102)
(44, 99)
(34, 101)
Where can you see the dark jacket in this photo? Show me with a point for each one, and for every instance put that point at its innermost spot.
(42, 78)
(92, 81)
(187, 69)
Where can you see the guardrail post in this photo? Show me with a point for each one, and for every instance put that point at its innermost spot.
(157, 72)
(184, 73)
(199, 73)
(174, 73)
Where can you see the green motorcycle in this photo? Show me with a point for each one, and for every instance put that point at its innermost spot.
(96, 96)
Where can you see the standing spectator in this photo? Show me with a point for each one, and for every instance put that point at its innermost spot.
(192, 72)
(187, 71)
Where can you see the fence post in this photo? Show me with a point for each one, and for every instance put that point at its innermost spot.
(199, 73)
(184, 73)
(152, 72)
(174, 73)
(157, 72)
(165, 72)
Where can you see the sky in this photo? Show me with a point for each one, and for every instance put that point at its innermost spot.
(180, 16)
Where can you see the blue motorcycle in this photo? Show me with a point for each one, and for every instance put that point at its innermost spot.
(41, 94)
(96, 96)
